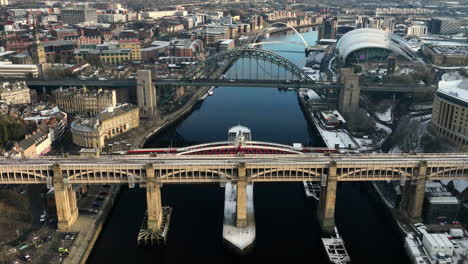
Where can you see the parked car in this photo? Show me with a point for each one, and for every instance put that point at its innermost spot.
(97, 204)
(46, 239)
(70, 236)
(93, 210)
(27, 257)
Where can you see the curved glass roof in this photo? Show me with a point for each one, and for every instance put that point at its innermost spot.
(373, 38)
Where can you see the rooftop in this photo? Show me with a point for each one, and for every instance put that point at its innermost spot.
(457, 89)
(450, 49)
(115, 111)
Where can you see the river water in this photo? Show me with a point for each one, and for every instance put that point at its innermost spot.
(287, 228)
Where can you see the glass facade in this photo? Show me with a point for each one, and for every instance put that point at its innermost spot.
(368, 55)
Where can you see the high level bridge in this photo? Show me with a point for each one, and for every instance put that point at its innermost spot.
(412, 171)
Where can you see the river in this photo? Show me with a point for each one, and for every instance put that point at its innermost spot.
(287, 228)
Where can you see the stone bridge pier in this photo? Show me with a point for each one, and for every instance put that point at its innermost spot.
(349, 92)
(326, 205)
(241, 207)
(153, 200)
(65, 200)
(156, 222)
(413, 195)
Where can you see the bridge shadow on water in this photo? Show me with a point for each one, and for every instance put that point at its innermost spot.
(287, 229)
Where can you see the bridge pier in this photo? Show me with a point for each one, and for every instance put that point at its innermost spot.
(146, 93)
(350, 91)
(413, 196)
(326, 206)
(241, 206)
(239, 219)
(65, 201)
(156, 222)
(153, 201)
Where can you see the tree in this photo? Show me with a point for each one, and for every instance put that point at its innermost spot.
(10, 129)
(360, 122)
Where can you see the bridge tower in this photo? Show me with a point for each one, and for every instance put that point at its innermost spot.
(65, 200)
(146, 93)
(413, 196)
(350, 91)
(326, 206)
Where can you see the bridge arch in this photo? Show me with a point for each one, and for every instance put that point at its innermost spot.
(182, 171)
(210, 67)
(269, 171)
(391, 170)
(442, 173)
(123, 174)
(284, 24)
(37, 176)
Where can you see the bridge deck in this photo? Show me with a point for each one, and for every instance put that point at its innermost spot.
(260, 168)
(119, 83)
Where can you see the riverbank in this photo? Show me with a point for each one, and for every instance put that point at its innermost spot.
(88, 227)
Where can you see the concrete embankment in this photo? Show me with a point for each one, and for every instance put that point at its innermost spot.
(88, 227)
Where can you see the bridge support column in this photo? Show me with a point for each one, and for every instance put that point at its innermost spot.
(156, 222)
(413, 196)
(241, 208)
(326, 206)
(146, 93)
(350, 91)
(153, 200)
(65, 201)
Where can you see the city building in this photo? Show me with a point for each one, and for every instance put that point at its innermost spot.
(59, 51)
(416, 30)
(185, 47)
(84, 101)
(105, 53)
(369, 44)
(36, 144)
(77, 15)
(450, 112)
(10, 70)
(51, 118)
(226, 44)
(329, 30)
(443, 25)
(439, 204)
(92, 132)
(3, 2)
(401, 11)
(37, 50)
(446, 55)
(12, 93)
(135, 48)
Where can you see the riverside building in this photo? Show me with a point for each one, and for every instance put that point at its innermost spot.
(92, 132)
(450, 112)
(84, 101)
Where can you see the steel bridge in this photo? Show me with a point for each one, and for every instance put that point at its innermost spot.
(412, 171)
(220, 168)
(248, 67)
(202, 82)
